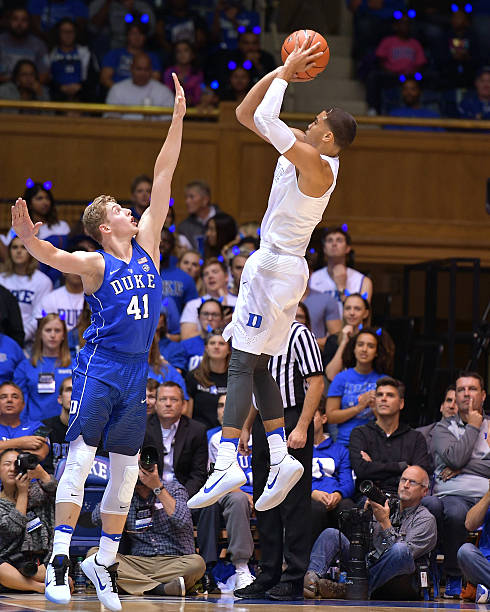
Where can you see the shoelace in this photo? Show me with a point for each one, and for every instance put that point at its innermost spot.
(61, 572)
(112, 571)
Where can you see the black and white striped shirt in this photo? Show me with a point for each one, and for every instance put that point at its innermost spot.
(302, 360)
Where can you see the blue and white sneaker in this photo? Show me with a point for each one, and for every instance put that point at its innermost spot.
(482, 594)
(219, 483)
(57, 587)
(282, 478)
(453, 587)
(104, 580)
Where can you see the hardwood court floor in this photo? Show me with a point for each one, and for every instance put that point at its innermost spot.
(90, 603)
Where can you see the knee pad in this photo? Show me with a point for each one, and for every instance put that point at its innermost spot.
(78, 465)
(119, 491)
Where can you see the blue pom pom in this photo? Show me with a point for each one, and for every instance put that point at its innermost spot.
(468, 8)
(62, 316)
(241, 29)
(397, 14)
(412, 13)
(29, 183)
(144, 18)
(379, 331)
(220, 258)
(312, 251)
(171, 229)
(43, 312)
(235, 250)
(344, 227)
(247, 64)
(417, 76)
(171, 202)
(47, 185)
(231, 65)
(256, 30)
(209, 329)
(364, 295)
(214, 84)
(201, 261)
(454, 7)
(360, 326)
(128, 18)
(402, 78)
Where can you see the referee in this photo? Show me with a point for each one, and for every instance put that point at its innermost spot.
(285, 529)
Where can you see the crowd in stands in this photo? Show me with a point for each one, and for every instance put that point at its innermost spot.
(416, 59)
(343, 421)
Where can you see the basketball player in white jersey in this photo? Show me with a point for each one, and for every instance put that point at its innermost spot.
(275, 276)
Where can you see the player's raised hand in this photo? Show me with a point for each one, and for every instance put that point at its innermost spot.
(179, 104)
(301, 58)
(21, 222)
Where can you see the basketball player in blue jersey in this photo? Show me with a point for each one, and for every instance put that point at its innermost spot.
(275, 276)
(123, 287)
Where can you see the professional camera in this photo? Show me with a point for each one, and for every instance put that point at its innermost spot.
(375, 494)
(26, 563)
(26, 461)
(148, 458)
(356, 525)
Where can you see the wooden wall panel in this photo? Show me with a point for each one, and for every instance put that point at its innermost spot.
(407, 196)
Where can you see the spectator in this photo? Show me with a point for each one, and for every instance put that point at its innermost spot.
(151, 396)
(286, 528)
(228, 19)
(45, 14)
(67, 301)
(181, 442)
(57, 426)
(200, 209)
(462, 466)
(220, 230)
(209, 102)
(336, 278)
(109, 19)
(356, 313)
(249, 51)
(413, 108)
(399, 54)
(324, 315)
(140, 195)
(116, 65)
(21, 499)
(399, 547)
(239, 83)
(75, 336)
(10, 356)
(42, 208)
(177, 284)
(170, 350)
(460, 56)
(209, 380)
(10, 317)
(17, 43)
(140, 90)
(27, 284)
(237, 263)
(40, 378)
(185, 67)
(476, 104)
(473, 561)
(215, 278)
(70, 65)
(351, 394)
(24, 85)
(161, 370)
(332, 485)
(190, 261)
(382, 449)
(448, 410)
(210, 314)
(177, 22)
(161, 558)
(26, 435)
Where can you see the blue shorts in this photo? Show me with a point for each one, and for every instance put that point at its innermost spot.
(108, 401)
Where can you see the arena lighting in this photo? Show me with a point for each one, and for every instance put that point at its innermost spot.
(344, 227)
(171, 202)
(402, 78)
(454, 7)
(231, 65)
(397, 14)
(417, 76)
(468, 8)
(412, 13)
(144, 18)
(241, 29)
(247, 64)
(128, 18)
(214, 85)
(171, 229)
(256, 30)
(47, 185)
(29, 183)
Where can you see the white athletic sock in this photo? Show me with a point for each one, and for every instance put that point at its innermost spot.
(62, 539)
(227, 451)
(277, 445)
(109, 543)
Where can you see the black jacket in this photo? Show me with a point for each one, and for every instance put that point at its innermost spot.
(10, 317)
(390, 455)
(190, 451)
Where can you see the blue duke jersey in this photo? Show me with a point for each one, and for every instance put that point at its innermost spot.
(126, 307)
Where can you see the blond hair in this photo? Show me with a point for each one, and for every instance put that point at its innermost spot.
(95, 214)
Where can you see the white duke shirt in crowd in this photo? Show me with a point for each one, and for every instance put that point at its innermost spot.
(168, 439)
(322, 281)
(66, 304)
(152, 94)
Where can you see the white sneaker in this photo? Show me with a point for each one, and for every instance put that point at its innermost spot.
(56, 582)
(219, 483)
(282, 478)
(243, 578)
(104, 580)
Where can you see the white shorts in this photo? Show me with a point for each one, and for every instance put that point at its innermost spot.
(271, 286)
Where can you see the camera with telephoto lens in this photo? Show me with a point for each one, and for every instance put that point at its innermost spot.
(26, 563)
(26, 461)
(148, 458)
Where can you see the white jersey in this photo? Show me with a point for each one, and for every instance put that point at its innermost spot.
(322, 281)
(28, 291)
(61, 301)
(291, 216)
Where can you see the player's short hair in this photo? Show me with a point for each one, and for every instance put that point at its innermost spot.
(388, 381)
(95, 214)
(9, 383)
(343, 126)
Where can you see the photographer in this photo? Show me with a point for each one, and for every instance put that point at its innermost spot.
(26, 521)
(161, 557)
(400, 538)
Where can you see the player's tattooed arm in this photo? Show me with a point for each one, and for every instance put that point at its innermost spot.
(152, 220)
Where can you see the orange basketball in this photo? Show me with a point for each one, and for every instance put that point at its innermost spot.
(320, 63)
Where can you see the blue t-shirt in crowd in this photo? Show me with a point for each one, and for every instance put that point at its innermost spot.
(173, 353)
(485, 536)
(246, 20)
(194, 350)
(349, 385)
(10, 356)
(386, 10)
(42, 405)
(414, 113)
(471, 107)
(52, 12)
(26, 428)
(331, 470)
(178, 285)
(69, 66)
(120, 60)
(173, 315)
(169, 373)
